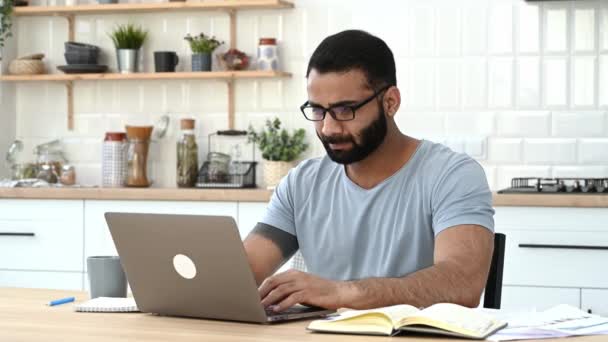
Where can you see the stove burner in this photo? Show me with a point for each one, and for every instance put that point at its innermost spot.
(557, 185)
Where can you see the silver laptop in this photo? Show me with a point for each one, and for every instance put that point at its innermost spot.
(192, 266)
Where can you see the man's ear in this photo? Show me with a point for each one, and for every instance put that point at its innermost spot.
(392, 101)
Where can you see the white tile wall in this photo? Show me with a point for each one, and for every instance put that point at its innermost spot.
(521, 86)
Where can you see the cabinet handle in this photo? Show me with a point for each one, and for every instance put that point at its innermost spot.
(17, 234)
(531, 245)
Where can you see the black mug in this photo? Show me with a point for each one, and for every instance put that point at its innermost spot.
(165, 61)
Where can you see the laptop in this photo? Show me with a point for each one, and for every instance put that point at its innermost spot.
(192, 266)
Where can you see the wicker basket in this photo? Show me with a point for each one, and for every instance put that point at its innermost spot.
(26, 67)
(274, 171)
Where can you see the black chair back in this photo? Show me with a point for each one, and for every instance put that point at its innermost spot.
(493, 290)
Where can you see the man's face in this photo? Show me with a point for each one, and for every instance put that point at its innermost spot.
(347, 142)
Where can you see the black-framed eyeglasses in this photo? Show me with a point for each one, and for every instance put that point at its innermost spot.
(340, 112)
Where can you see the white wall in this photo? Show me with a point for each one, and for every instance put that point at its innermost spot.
(527, 85)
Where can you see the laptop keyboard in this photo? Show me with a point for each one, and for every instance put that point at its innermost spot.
(292, 310)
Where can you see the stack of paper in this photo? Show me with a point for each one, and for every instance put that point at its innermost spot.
(107, 304)
(559, 321)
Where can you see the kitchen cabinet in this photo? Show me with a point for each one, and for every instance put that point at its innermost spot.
(41, 235)
(98, 240)
(595, 300)
(516, 298)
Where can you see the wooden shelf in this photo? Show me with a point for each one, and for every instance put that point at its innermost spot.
(219, 75)
(227, 5)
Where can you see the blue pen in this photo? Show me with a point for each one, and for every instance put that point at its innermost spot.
(61, 301)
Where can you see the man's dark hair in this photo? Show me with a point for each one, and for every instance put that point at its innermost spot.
(355, 49)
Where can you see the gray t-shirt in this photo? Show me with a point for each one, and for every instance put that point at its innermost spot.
(346, 232)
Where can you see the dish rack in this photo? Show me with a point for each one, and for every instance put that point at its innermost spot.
(241, 176)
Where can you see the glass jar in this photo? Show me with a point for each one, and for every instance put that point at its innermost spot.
(68, 175)
(114, 159)
(268, 56)
(50, 154)
(137, 162)
(187, 156)
(47, 174)
(219, 167)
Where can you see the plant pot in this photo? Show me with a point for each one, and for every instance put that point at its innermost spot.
(201, 62)
(128, 60)
(274, 171)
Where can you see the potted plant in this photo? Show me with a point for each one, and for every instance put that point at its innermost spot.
(128, 40)
(279, 149)
(6, 21)
(202, 46)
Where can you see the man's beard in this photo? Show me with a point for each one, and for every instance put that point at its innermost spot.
(372, 137)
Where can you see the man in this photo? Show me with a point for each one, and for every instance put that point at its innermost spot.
(384, 218)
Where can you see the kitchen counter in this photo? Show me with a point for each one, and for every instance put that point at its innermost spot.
(263, 195)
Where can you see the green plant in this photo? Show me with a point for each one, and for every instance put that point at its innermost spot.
(202, 43)
(277, 144)
(128, 36)
(6, 20)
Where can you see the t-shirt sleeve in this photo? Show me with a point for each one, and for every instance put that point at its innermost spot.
(462, 196)
(280, 210)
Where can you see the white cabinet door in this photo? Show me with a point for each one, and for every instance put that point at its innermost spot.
(595, 301)
(540, 298)
(250, 213)
(98, 240)
(45, 235)
(42, 280)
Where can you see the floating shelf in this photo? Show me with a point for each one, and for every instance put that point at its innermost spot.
(207, 5)
(209, 75)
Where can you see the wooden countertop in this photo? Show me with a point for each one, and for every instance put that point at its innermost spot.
(263, 195)
(25, 318)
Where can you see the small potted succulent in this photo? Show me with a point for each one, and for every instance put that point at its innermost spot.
(279, 149)
(128, 40)
(202, 46)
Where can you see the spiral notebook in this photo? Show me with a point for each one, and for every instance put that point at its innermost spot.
(107, 304)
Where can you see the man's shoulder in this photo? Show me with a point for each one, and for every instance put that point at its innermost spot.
(441, 160)
(310, 169)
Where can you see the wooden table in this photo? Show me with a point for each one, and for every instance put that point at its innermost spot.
(25, 317)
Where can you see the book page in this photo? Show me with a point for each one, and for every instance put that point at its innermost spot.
(455, 318)
(395, 313)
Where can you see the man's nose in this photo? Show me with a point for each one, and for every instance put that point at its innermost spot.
(331, 126)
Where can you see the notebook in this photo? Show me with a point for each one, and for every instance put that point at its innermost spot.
(441, 319)
(107, 304)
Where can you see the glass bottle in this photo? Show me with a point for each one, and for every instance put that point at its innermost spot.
(137, 155)
(187, 155)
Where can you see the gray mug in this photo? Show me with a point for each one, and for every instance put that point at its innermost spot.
(106, 277)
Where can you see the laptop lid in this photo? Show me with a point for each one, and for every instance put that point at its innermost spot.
(186, 265)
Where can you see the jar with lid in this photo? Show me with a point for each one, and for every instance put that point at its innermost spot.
(187, 155)
(114, 159)
(47, 174)
(50, 154)
(68, 175)
(137, 155)
(268, 56)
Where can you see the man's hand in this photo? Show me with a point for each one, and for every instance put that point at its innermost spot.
(292, 287)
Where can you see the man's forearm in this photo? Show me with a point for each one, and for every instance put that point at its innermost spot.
(435, 284)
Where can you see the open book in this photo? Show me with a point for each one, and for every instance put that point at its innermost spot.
(444, 319)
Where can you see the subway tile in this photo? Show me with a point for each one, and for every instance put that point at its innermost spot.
(550, 151)
(469, 123)
(579, 124)
(529, 27)
(449, 31)
(421, 124)
(88, 174)
(271, 95)
(501, 28)
(421, 85)
(501, 82)
(593, 151)
(556, 28)
(604, 28)
(603, 80)
(523, 124)
(584, 29)
(422, 31)
(448, 84)
(474, 29)
(506, 173)
(504, 151)
(528, 82)
(583, 86)
(555, 82)
(474, 83)
(248, 95)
